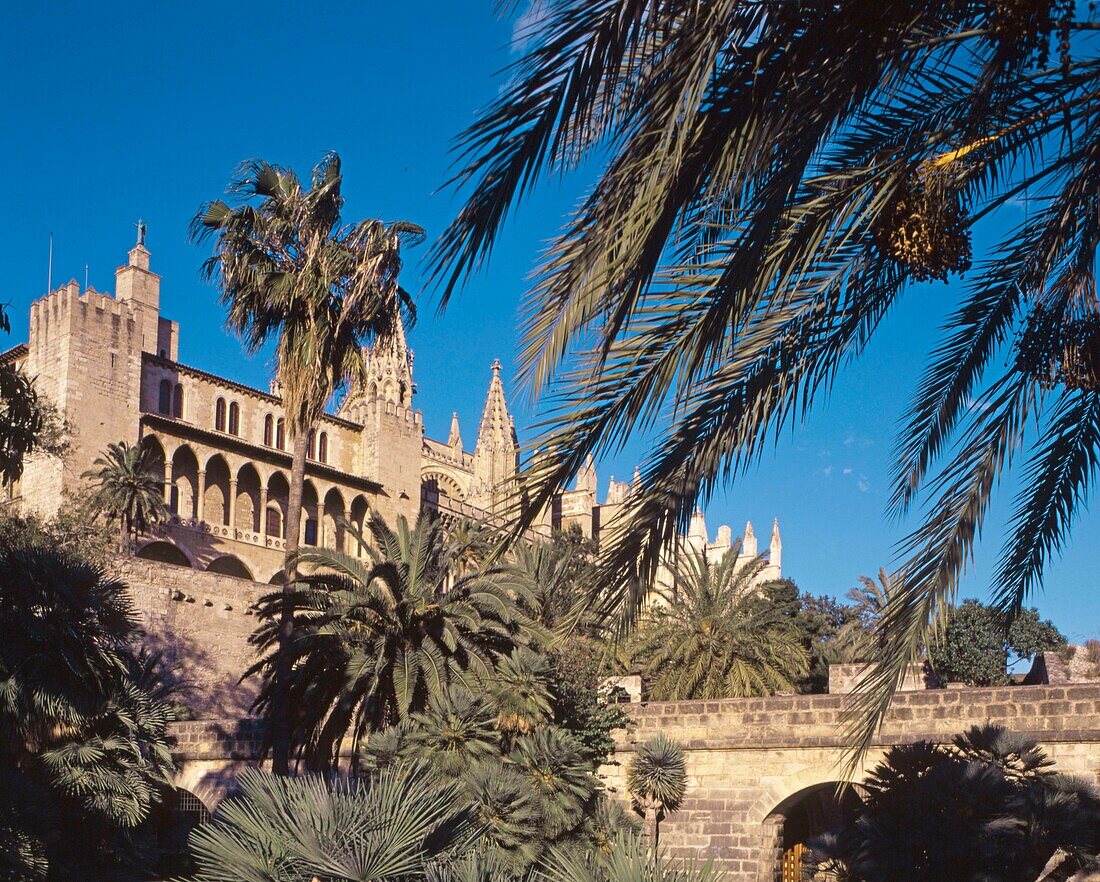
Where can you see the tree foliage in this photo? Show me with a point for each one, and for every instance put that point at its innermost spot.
(771, 179)
(656, 779)
(976, 644)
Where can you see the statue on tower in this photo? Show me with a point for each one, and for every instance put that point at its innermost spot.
(142, 229)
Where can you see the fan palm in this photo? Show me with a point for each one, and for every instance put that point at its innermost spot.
(711, 638)
(375, 639)
(391, 826)
(455, 733)
(290, 270)
(988, 806)
(560, 774)
(128, 488)
(84, 748)
(656, 779)
(773, 175)
(518, 689)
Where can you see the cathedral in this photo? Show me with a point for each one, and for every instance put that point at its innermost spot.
(111, 366)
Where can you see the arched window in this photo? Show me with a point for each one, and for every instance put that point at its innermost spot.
(280, 435)
(311, 532)
(269, 430)
(219, 415)
(312, 454)
(164, 403)
(234, 419)
(274, 522)
(322, 448)
(177, 402)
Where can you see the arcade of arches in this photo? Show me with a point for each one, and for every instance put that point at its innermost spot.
(229, 512)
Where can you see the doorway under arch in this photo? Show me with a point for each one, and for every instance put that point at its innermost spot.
(806, 814)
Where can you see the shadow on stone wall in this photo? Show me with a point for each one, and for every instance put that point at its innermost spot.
(205, 687)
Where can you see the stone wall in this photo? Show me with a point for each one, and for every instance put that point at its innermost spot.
(202, 621)
(750, 759)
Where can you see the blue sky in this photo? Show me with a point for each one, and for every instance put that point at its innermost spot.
(118, 110)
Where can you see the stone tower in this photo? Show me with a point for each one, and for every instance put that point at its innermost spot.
(393, 432)
(496, 456)
(85, 352)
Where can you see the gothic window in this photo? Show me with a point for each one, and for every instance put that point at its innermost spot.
(219, 415)
(322, 448)
(269, 430)
(274, 522)
(280, 435)
(312, 454)
(164, 404)
(311, 532)
(177, 402)
(234, 419)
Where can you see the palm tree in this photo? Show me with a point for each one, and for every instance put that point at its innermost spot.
(375, 640)
(291, 271)
(391, 826)
(656, 779)
(129, 489)
(712, 638)
(773, 176)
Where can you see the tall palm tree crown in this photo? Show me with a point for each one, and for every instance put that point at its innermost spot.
(290, 270)
(375, 640)
(772, 177)
(129, 489)
(711, 637)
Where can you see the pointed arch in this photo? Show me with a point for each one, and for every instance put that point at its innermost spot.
(269, 430)
(184, 496)
(310, 511)
(219, 415)
(216, 491)
(332, 528)
(164, 397)
(278, 500)
(248, 498)
(177, 402)
(234, 418)
(322, 447)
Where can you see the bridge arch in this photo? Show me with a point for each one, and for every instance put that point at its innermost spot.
(166, 552)
(230, 565)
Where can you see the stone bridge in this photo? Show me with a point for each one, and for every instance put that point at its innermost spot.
(761, 772)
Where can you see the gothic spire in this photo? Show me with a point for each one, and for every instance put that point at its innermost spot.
(748, 543)
(496, 429)
(775, 551)
(496, 455)
(455, 438)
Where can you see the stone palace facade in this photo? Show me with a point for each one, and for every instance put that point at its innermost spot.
(111, 365)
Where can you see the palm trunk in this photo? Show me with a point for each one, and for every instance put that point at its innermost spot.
(652, 825)
(123, 535)
(280, 700)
